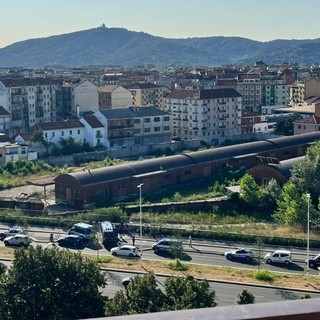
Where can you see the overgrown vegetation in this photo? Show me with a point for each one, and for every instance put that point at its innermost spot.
(264, 275)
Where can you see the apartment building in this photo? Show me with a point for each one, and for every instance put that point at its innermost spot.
(308, 124)
(30, 101)
(274, 90)
(14, 152)
(114, 96)
(135, 126)
(249, 86)
(80, 97)
(212, 115)
(144, 94)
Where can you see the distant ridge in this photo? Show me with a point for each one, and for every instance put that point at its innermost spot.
(117, 46)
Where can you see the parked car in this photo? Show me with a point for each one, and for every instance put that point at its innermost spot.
(240, 254)
(71, 241)
(165, 245)
(126, 251)
(314, 262)
(279, 256)
(10, 232)
(21, 240)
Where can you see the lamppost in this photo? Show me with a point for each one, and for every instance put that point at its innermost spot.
(308, 236)
(140, 187)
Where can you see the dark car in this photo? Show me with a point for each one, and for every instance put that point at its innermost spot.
(314, 262)
(72, 241)
(240, 254)
(10, 232)
(126, 281)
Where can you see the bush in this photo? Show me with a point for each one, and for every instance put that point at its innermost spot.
(264, 275)
(178, 265)
(245, 297)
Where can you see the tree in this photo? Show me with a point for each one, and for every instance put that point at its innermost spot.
(140, 296)
(285, 126)
(259, 251)
(249, 190)
(293, 207)
(245, 297)
(188, 293)
(306, 173)
(51, 284)
(37, 136)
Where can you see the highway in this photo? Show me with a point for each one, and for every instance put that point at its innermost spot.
(201, 252)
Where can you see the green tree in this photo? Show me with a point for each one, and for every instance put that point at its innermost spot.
(293, 207)
(249, 190)
(245, 297)
(38, 136)
(70, 146)
(306, 173)
(188, 293)
(285, 126)
(51, 284)
(140, 296)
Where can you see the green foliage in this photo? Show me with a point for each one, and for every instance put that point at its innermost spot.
(305, 296)
(187, 293)
(249, 190)
(293, 207)
(177, 197)
(264, 275)
(143, 296)
(306, 173)
(51, 284)
(70, 146)
(245, 297)
(285, 127)
(178, 265)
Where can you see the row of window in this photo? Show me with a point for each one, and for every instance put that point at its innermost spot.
(148, 120)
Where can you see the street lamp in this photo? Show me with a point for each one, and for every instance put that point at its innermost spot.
(308, 237)
(140, 187)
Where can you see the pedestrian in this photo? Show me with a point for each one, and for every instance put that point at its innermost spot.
(190, 241)
(133, 239)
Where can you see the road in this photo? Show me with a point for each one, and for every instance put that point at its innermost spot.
(201, 253)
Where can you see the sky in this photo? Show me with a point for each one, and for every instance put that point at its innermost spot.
(261, 20)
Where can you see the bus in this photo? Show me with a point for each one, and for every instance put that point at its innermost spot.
(82, 229)
(109, 234)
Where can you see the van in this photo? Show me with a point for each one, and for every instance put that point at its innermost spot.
(165, 245)
(82, 229)
(279, 256)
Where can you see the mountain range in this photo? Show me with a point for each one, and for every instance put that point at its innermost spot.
(118, 46)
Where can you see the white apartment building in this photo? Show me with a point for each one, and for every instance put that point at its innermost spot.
(213, 115)
(79, 97)
(14, 152)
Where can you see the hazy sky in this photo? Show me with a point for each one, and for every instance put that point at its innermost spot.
(262, 20)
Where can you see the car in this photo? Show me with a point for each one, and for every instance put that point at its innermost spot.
(71, 241)
(279, 256)
(21, 240)
(10, 232)
(240, 254)
(165, 245)
(126, 251)
(314, 262)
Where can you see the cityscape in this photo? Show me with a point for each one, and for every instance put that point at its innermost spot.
(159, 161)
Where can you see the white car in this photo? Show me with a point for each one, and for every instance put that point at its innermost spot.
(126, 251)
(21, 240)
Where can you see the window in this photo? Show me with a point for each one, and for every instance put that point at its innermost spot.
(187, 172)
(137, 121)
(62, 133)
(157, 119)
(166, 118)
(147, 120)
(156, 129)
(146, 130)
(166, 128)
(78, 131)
(70, 132)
